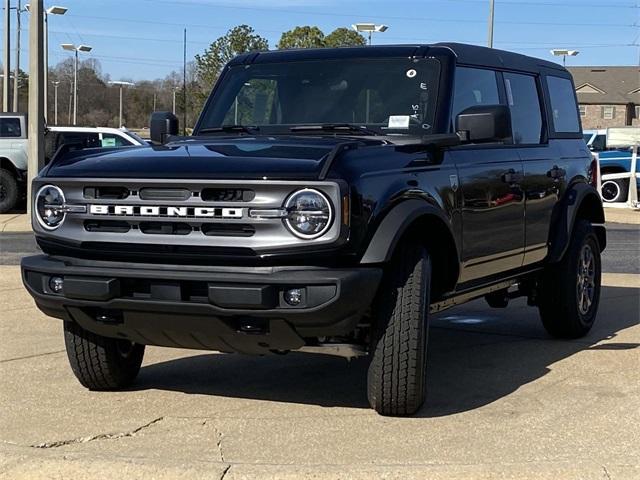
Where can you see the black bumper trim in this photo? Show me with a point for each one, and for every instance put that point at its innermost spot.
(155, 305)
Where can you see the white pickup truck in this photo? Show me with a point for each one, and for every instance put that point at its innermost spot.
(13, 150)
(13, 158)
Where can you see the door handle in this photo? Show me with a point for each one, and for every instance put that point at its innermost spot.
(511, 177)
(556, 173)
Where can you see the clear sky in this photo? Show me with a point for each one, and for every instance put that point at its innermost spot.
(142, 39)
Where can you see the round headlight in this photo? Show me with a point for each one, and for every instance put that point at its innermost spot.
(309, 213)
(49, 207)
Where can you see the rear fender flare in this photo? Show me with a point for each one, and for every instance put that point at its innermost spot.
(580, 201)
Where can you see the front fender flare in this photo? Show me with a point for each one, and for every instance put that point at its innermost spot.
(394, 225)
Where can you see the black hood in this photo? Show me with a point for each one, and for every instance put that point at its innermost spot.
(205, 158)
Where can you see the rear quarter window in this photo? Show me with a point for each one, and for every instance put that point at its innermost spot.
(564, 109)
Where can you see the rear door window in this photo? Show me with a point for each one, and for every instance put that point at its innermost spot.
(524, 103)
(563, 105)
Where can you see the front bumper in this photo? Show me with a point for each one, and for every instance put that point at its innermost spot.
(238, 309)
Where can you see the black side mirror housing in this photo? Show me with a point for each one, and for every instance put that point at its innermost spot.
(484, 124)
(162, 125)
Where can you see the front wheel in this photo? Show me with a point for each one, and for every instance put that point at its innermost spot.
(570, 290)
(101, 363)
(396, 378)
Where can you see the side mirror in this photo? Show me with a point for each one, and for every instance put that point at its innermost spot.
(162, 125)
(484, 123)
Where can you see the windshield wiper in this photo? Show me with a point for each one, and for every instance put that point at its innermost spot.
(230, 129)
(334, 127)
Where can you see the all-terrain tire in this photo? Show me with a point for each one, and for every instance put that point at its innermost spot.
(570, 289)
(8, 191)
(101, 363)
(396, 378)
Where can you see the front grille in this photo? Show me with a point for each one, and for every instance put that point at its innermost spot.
(106, 193)
(227, 195)
(174, 218)
(106, 226)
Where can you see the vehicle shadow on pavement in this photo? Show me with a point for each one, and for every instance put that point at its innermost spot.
(477, 355)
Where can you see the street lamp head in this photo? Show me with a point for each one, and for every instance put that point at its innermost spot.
(121, 83)
(85, 48)
(68, 46)
(564, 53)
(57, 10)
(369, 27)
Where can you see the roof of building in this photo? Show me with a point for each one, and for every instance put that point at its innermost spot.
(607, 85)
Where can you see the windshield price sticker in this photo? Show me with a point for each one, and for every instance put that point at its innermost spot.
(399, 121)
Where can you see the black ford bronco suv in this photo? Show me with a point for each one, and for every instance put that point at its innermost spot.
(328, 201)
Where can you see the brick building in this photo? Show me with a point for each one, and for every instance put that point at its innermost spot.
(608, 96)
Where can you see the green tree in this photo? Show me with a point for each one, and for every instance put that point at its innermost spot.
(302, 37)
(240, 39)
(344, 37)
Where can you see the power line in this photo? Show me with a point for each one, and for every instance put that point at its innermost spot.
(550, 4)
(345, 15)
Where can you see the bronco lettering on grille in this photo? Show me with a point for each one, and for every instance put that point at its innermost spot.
(160, 211)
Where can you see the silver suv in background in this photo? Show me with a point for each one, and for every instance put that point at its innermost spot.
(13, 158)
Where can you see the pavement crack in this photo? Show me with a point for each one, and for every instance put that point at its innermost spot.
(102, 436)
(30, 356)
(225, 471)
(219, 437)
(606, 472)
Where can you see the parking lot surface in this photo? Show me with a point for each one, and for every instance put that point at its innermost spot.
(505, 401)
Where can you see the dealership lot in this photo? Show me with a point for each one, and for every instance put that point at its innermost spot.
(505, 401)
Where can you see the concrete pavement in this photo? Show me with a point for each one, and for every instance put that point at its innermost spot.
(505, 401)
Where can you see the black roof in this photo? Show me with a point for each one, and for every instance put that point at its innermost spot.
(464, 53)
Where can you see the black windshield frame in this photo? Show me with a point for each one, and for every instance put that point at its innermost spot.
(419, 101)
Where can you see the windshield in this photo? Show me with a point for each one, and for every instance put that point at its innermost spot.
(384, 96)
(587, 137)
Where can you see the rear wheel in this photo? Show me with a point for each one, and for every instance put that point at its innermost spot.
(8, 191)
(101, 363)
(570, 290)
(396, 378)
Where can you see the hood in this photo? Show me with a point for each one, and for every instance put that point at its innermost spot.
(215, 158)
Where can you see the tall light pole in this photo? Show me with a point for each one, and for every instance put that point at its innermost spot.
(491, 22)
(7, 56)
(55, 102)
(16, 74)
(72, 48)
(55, 10)
(558, 52)
(121, 84)
(370, 28)
(36, 97)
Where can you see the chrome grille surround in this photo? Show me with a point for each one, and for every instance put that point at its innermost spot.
(270, 195)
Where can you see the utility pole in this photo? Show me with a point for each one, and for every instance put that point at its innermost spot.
(491, 21)
(7, 56)
(16, 75)
(36, 96)
(184, 85)
(55, 100)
